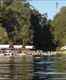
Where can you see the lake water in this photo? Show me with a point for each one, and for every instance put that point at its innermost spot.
(30, 67)
(16, 67)
(49, 67)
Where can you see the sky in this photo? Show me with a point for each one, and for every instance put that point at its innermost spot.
(51, 7)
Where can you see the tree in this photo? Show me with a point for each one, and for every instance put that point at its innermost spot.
(15, 20)
(42, 35)
(36, 28)
(59, 24)
(25, 25)
(3, 36)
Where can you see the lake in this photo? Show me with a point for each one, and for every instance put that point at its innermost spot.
(49, 67)
(28, 67)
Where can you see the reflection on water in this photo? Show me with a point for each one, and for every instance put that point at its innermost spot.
(30, 67)
(16, 67)
(49, 68)
(11, 68)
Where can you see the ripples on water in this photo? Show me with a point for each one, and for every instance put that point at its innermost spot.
(33, 68)
(49, 68)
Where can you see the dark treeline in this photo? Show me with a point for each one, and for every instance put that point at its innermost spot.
(43, 38)
(26, 26)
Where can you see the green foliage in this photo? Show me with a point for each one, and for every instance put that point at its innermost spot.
(59, 24)
(15, 20)
(24, 25)
(42, 32)
(3, 36)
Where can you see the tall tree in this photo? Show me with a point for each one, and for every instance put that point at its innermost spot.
(59, 24)
(36, 28)
(42, 34)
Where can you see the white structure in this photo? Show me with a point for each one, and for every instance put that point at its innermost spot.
(4, 46)
(18, 46)
(7, 46)
(29, 47)
(63, 48)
